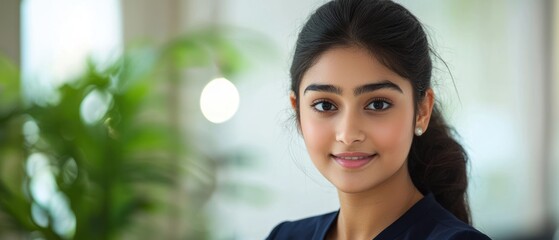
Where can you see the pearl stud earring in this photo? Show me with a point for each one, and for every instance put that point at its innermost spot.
(418, 131)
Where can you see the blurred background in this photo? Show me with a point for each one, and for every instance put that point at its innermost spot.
(141, 119)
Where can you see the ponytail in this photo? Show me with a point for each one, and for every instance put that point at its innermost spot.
(437, 164)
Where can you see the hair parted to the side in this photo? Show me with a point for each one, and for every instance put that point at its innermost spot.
(436, 162)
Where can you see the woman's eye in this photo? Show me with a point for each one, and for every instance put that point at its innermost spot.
(324, 106)
(379, 105)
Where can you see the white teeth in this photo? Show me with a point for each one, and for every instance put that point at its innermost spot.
(354, 158)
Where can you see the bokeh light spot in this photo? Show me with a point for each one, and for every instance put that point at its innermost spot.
(94, 106)
(219, 100)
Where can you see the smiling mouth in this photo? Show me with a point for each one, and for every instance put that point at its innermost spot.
(353, 160)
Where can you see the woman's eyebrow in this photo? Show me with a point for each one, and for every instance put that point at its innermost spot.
(323, 88)
(376, 86)
(357, 91)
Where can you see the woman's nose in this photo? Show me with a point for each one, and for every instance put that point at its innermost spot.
(349, 129)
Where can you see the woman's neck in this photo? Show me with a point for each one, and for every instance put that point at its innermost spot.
(364, 215)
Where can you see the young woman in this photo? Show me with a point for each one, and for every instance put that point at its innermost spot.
(361, 92)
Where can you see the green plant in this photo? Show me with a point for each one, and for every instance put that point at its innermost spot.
(104, 160)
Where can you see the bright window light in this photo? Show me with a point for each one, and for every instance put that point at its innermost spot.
(60, 36)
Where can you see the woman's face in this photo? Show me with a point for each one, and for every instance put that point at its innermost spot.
(357, 119)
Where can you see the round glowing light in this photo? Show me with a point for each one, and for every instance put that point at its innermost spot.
(219, 100)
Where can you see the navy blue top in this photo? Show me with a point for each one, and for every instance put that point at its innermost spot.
(426, 219)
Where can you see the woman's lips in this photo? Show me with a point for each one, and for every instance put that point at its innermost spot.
(353, 160)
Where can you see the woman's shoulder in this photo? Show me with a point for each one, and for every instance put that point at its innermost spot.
(450, 227)
(429, 220)
(454, 229)
(314, 227)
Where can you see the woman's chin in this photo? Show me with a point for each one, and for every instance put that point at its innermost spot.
(353, 186)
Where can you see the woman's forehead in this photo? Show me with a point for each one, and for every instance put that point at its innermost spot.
(349, 68)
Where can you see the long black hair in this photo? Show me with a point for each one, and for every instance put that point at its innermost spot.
(436, 161)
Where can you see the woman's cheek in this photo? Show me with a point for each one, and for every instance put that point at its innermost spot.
(393, 134)
(316, 133)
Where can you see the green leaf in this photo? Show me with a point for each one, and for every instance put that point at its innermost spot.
(10, 98)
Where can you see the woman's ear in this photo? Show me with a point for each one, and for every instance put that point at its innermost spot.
(293, 100)
(425, 109)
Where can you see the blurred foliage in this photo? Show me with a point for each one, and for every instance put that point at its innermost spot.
(105, 161)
